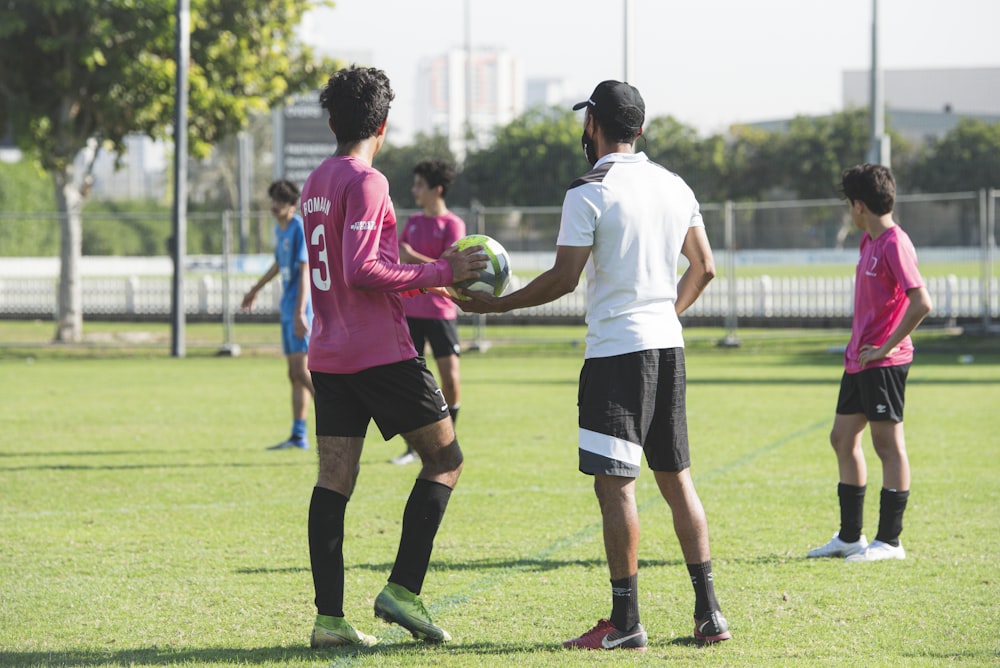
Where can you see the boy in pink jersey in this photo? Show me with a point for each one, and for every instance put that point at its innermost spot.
(890, 300)
(433, 318)
(363, 363)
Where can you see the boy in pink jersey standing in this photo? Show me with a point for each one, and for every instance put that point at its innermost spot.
(890, 300)
(433, 318)
(363, 363)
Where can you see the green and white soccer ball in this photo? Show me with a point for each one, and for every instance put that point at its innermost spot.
(496, 276)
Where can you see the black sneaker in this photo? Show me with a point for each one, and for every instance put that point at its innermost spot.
(711, 628)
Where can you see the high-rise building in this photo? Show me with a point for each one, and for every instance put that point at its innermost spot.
(467, 98)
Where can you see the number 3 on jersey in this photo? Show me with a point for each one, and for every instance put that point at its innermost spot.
(320, 274)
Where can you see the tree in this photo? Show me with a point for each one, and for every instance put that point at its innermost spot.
(534, 159)
(812, 154)
(397, 163)
(700, 162)
(80, 75)
(967, 158)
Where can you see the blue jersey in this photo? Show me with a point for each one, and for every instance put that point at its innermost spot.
(289, 251)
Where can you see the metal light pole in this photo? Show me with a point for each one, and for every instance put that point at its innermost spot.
(629, 54)
(183, 42)
(879, 152)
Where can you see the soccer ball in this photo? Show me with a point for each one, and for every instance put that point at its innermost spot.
(495, 277)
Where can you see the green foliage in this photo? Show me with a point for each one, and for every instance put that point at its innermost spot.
(25, 189)
(700, 162)
(101, 69)
(397, 163)
(534, 159)
(967, 158)
(814, 151)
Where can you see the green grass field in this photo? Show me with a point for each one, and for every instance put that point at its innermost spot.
(144, 524)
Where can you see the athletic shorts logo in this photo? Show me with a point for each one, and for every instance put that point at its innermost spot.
(881, 409)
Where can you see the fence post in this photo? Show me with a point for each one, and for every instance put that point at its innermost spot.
(950, 306)
(228, 348)
(479, 342)
(988, 220)
(131, 288)
(763, 300)
(730, 340)
(204, 288)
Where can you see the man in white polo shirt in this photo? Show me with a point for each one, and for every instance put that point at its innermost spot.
(626, 222)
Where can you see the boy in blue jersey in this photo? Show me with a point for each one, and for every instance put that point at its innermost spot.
(291, 261)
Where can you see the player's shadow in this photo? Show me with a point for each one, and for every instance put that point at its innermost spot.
(526, 564)
(392, 643)
(153, 465)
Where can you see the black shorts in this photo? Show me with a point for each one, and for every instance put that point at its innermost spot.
(879, 393)
(442, 335)
(631, 405)
(400, 397)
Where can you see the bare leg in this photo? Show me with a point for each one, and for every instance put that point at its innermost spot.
(890, 446)
(690, 523)
(302, 387)
(448, 369)
(339, 462)
(438, 450)
(846, 441)
(616, 496)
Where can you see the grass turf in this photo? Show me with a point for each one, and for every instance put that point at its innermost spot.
(144, 524)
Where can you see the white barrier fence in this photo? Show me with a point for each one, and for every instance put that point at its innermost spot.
(760, 297)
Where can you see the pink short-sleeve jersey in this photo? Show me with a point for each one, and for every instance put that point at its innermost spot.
(431, 236)
(354, 267)
(887, 268)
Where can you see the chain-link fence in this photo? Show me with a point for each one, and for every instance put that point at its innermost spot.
(782, 263)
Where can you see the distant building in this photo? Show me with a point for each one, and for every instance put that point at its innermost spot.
(454, 97)
(927, 104)
(922, 104)
(548, 92)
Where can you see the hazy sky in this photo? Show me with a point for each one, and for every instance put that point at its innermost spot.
(709, 63)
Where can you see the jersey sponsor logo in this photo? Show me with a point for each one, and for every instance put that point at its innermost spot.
(363, 225)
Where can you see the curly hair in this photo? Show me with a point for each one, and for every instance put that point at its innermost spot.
(436, 173)
(283, 190)
(872, 184)
(357, 99)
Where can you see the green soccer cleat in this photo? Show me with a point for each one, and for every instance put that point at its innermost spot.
(337, 632)
(397, 605)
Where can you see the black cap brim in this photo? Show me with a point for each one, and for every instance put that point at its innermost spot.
(580, 105)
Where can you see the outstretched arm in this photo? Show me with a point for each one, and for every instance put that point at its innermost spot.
(561, 279)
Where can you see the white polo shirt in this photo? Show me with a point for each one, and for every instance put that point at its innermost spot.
(635, 215)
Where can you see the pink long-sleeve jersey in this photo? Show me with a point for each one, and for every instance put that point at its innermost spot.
(355, 272)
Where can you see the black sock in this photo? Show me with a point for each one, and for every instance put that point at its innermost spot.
(326, 549)
(890, 516)
(421, 520)
(852, 510)
(625, 602)
(704, 588)
(453, 410)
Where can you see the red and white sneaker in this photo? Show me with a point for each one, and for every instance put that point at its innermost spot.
(606, 636)
(711, 628)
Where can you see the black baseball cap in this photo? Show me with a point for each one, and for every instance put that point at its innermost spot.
(617, 102)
